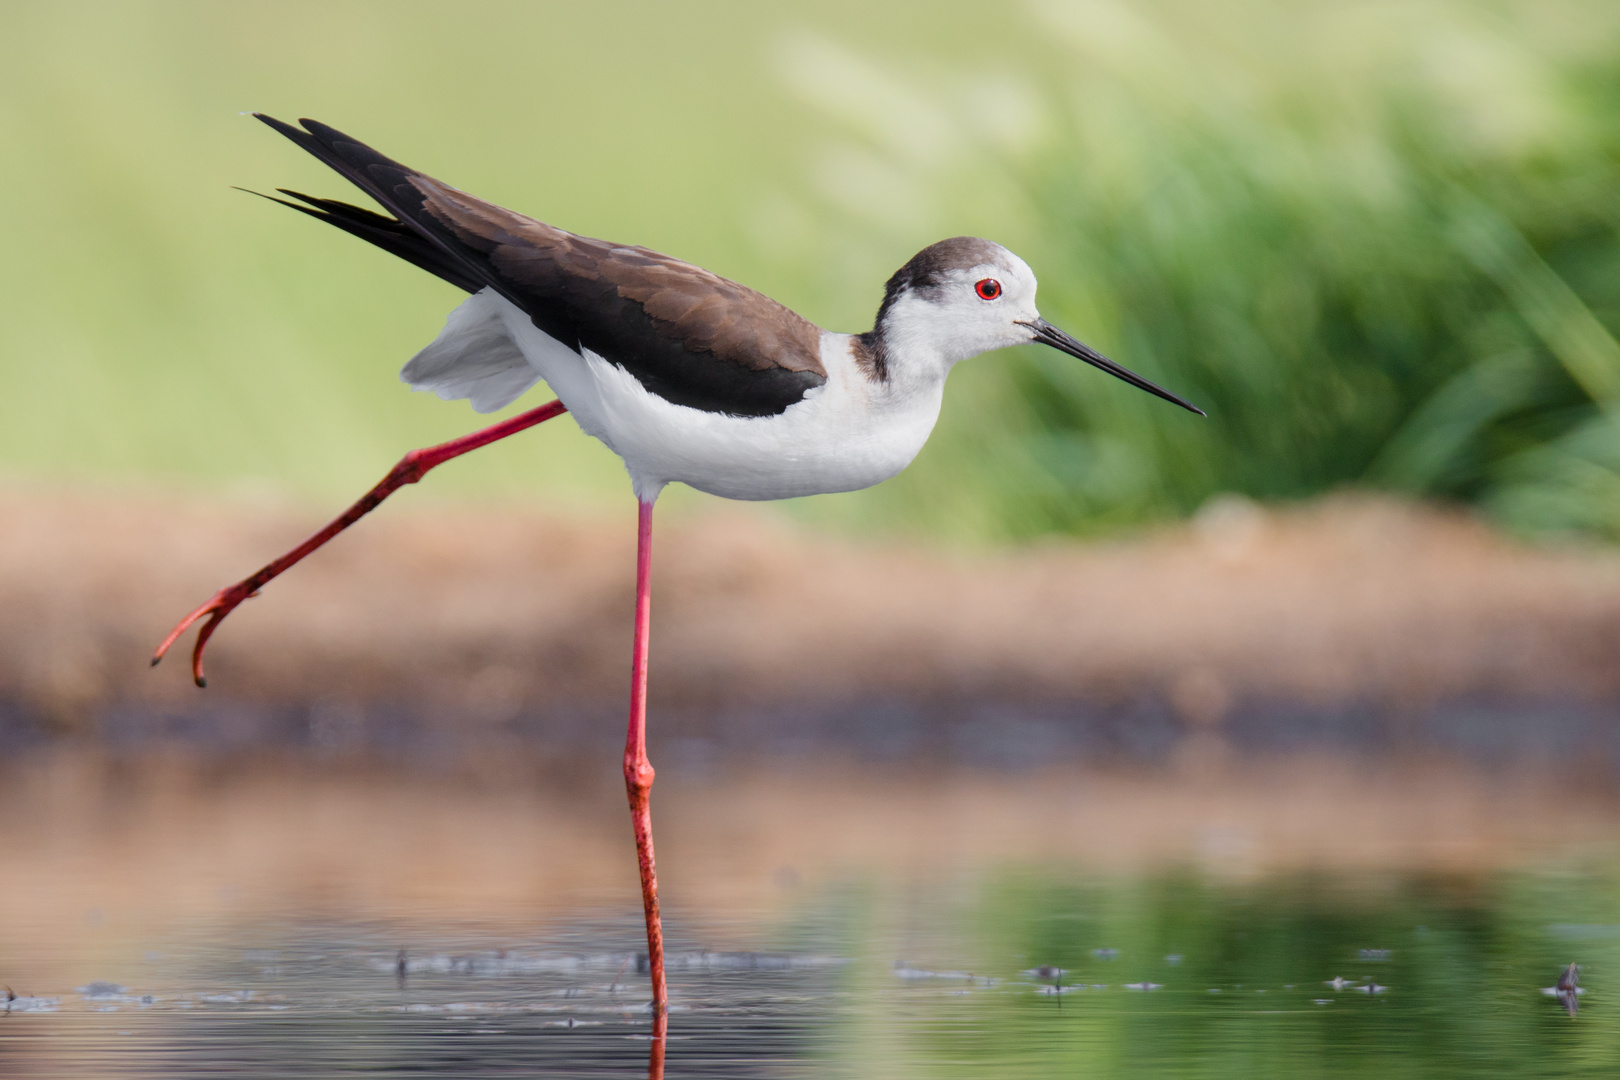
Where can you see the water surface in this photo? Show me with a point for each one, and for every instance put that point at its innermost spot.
(217, 919)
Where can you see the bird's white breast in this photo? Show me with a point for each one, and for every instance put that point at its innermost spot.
(846, 434)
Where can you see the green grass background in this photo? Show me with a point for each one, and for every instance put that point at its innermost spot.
(1378, 241)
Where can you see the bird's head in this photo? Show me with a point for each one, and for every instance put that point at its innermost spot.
(965, 296)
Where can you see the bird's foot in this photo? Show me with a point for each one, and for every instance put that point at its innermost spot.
(220, 605)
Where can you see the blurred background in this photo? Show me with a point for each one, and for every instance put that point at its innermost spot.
(1375, 240)
(1324, 681)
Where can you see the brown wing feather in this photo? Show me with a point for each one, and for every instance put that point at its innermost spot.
(605, 287)
(688, 335)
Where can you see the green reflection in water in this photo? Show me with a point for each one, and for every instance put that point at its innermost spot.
(1244, 971)
(932, 987)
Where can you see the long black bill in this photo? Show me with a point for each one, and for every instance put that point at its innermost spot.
(1047, 334)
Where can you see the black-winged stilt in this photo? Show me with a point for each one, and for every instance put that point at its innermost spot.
(686, 376)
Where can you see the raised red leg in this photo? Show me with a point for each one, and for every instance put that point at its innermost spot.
(411, 468)
(638, 773)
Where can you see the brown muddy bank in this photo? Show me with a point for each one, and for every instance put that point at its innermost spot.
(1352, 612)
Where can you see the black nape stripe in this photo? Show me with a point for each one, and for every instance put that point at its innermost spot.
(923, 273)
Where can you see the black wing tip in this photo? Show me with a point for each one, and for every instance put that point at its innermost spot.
(280, 125)
(262, 195)
(384, 179)
(309, 133)
(314, 210)
(303, 127)
(320, 130)
(390, 234)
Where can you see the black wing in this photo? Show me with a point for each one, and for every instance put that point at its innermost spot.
(689, 336)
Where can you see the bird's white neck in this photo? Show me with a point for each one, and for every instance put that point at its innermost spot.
(911, 351)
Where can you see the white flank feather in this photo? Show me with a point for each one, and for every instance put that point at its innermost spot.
(473, 357)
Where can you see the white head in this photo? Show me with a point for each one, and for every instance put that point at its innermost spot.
(964, 296)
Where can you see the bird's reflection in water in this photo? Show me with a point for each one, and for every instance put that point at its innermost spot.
(655, 1056)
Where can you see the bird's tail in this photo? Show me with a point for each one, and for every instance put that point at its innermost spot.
(390, 234)
(410, 233)
(474, 358)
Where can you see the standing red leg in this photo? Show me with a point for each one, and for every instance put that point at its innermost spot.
(638, 773)
(411, 468)
(655, 1058)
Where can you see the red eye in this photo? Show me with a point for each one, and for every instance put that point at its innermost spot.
(988, 288)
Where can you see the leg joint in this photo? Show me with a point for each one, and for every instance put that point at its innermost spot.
(638, 775)
(413, 466)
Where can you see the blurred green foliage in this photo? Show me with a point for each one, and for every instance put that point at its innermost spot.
(158, 327)
(1378, 242)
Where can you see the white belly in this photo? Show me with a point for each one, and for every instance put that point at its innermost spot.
(845, 435)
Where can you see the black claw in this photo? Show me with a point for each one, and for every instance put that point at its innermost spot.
(202, 683)
(156, 660)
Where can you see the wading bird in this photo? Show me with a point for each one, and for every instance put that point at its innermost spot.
(686, 376)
